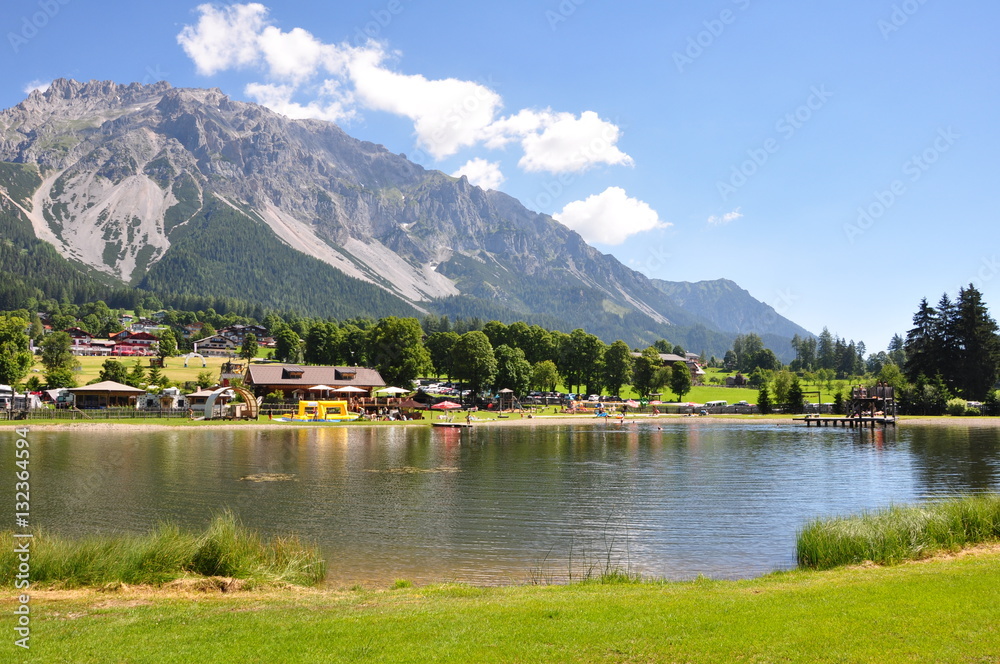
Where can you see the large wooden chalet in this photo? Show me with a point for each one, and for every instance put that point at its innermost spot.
(297, 382)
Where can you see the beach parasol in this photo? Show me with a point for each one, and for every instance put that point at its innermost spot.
(320, 388)
(393, 390)
(349, 388)
(446, 405)
(411, 403)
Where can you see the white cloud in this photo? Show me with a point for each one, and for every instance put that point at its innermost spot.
(559, 142)
(36, 84)
(308, 78)
(726, 218)
(609, 217)
(526, 122)
(279, 99)
(294, 56)
(482, 173)
(447, 114)
(572, 144)
(224, 38)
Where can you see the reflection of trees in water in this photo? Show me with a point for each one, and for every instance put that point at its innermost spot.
(954, 459)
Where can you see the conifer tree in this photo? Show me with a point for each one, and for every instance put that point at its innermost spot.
(974, 334)
(921, 343)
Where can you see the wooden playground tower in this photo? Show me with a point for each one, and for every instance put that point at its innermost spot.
(866, 407)
(874, 402)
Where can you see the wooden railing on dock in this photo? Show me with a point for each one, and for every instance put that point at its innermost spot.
(852, 422)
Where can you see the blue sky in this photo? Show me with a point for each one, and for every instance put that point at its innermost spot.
(837, 160)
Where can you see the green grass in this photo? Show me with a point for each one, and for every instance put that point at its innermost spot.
(940, 611)
(899, 533)
(90, 367)
(226, 548)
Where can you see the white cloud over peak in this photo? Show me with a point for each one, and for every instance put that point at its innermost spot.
(482, 173)
(36, 84)
(610, 217)
(308, 78)
(279, 99)
(296, 56)
(448, 114)
(224, 38)
(726, 218)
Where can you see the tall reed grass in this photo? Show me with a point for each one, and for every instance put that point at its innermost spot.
(224, 548)
(892, 535)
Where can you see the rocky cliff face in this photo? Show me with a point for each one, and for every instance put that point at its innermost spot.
(124, 167)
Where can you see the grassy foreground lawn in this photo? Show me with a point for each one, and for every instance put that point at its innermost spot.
(938, 611)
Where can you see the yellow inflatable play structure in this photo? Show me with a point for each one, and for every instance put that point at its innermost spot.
(322, 411)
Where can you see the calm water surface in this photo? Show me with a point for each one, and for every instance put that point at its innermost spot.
(500, 505)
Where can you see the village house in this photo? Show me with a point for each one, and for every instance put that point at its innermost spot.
(106, 394)
(297, 382)
(79, 337)
(668, 359)
(192, 329)
(238, 333)
(145, 326)
(101, 347)
(739, 380)
(83, 343)
(217, 345)
(135, 343)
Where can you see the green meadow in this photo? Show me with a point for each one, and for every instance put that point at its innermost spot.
(191, 608)
(939, 611)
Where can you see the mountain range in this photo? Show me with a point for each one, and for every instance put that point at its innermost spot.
(185, 192)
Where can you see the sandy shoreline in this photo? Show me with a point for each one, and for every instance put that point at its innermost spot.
(513, 421)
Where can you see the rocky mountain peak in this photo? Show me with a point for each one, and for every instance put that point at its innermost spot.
(129, 167)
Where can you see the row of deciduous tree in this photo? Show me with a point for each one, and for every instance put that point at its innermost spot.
(516, 356)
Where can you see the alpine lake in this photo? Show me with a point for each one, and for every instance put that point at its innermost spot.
(667, 499)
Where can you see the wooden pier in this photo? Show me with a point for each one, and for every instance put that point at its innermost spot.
(852, 422)
(866, 407)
